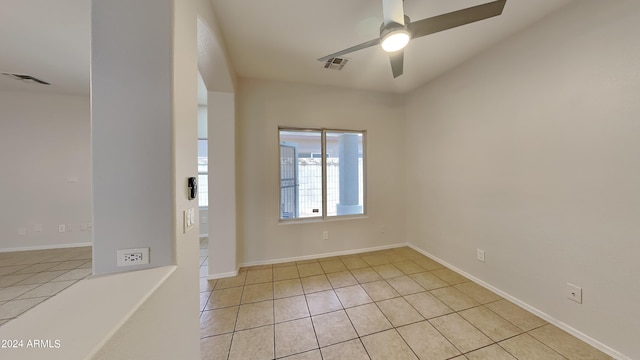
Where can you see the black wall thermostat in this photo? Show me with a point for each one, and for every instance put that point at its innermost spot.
(193, 188)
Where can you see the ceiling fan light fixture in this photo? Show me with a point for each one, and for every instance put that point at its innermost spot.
(395, 39)
(397, 29)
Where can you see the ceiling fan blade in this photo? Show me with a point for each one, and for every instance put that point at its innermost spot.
(393, 11)
(364, 45)
(454, 19)
(397, 62)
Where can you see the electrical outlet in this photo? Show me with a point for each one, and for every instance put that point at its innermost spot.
(62, 228)
(325, 235)
(127, 257)
(480, 255)
(133, 257)
(574, 293)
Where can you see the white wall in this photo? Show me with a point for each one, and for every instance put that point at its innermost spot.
(44, 141)
(530, 152)
(219, 79)
(202, 121)
(204, 221)
(261, 108)
(221, 214)
(166, 325)
(131, 124)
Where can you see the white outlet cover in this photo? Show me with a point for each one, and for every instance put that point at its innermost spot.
(480, 255)
(574, 293)
(124, 256)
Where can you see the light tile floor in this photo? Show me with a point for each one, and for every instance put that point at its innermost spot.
(28, 278)
(389, 305)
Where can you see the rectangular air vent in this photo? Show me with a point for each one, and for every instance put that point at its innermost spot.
(335, 63)
(26, 78)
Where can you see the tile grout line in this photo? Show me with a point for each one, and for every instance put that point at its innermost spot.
(333, 288)
(237, 314)
(273, 311)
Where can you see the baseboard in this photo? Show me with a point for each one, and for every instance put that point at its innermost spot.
(323, 255)
(222, 275)
(47, 247)
(305, 257)
(550, 319)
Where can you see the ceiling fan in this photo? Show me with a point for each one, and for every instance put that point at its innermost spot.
(397, 29)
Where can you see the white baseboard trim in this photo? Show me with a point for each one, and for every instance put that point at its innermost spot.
(222, 275)
(47, 247)
(305, 257)
(580, 335)
(323, 255)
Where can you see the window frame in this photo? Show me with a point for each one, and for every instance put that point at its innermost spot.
(324, 216)
(201, 207)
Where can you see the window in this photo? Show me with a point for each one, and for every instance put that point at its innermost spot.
(321, 173)
(203, 173)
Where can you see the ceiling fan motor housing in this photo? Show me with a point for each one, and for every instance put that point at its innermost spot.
(385, 29)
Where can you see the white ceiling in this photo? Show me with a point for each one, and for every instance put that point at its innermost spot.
(47, 39)
(282, 40)
(276, 40)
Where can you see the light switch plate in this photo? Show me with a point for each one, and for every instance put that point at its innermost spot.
(189, 219)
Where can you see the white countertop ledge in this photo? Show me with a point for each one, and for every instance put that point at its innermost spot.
(81, 318)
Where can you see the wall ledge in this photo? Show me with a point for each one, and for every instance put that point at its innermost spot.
(47, 247)
(79, 321)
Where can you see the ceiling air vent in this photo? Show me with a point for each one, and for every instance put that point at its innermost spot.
(26, 78)
(335, 63)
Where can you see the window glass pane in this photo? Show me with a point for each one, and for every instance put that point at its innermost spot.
(202, 148)
(203, 168)
(203, 156)
(345, 173)
(300, 177)
(203, 190)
